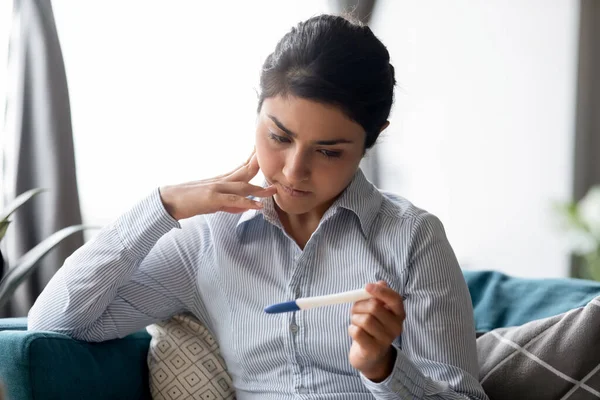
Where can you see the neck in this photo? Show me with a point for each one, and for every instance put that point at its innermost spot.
(301, 226)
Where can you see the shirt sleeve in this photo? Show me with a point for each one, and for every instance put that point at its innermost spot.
(136, 271)
(438, 357)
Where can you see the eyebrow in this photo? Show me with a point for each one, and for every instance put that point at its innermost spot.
(292, 134)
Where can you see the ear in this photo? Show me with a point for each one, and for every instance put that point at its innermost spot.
(387, 123)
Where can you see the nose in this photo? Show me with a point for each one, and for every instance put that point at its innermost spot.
(297, 167)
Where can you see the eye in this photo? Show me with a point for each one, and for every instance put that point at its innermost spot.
(278, 138)
(331, 154)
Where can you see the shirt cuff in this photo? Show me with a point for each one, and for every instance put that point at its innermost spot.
(405, 380)
(142, 226)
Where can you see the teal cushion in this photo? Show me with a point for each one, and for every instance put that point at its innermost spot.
(500, 300)
(44, 365)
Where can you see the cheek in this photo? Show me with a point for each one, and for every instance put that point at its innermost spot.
(335, 177)
(267, 158)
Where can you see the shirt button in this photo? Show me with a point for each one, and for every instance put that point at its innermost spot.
(298, 292)
(303, 390)
(294, 328)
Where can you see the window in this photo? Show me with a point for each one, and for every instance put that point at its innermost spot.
(164, 92)
(5, 28)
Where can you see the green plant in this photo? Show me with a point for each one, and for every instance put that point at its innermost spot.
(581, 221)
(19, 271)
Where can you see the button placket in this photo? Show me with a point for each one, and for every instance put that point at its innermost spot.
(294, 328)
(297, 288)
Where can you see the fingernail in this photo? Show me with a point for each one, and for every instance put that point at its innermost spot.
(370, 287)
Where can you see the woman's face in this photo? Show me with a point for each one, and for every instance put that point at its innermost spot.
(309, 150)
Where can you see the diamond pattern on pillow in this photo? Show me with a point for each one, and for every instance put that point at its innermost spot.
(546, 359)
(185, 362)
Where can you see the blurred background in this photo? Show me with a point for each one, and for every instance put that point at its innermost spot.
(495, 118)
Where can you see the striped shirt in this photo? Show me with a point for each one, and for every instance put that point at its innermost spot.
(225, 268)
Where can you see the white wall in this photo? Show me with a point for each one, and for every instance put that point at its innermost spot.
(164, 92)
(482, 129)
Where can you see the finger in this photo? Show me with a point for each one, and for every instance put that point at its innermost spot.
(233, 171)
(245, 189)
(383, 283)
(373, 326)
(388, 296)
(366, 341)
(390, 322)
(229, 200)
(251, 155)
(234, 210)
(246, 171)
(226, 175)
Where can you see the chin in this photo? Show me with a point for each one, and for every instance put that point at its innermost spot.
(293, 206)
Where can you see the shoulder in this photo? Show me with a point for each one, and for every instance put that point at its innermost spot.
(402, 222)
(420, 238)
(399, 210)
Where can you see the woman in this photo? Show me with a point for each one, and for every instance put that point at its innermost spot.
(316, 227)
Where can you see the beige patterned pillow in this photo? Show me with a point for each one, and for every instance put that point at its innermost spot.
(185, 362)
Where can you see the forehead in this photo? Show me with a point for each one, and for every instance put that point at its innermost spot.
(310, 119)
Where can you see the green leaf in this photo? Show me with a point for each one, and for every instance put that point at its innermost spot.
(3, 227)
(570, 217)
(28, 263)
(19, 201)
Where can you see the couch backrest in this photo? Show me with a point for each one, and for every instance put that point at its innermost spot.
(500, 300)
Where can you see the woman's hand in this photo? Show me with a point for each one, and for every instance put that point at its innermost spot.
(375, 324)
(226, 192)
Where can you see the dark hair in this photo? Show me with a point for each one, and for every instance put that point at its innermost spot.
(335, 61)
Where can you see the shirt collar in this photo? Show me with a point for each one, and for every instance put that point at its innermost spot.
(360, 197)
(268, 212)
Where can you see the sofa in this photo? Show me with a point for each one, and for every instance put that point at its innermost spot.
(46, 365)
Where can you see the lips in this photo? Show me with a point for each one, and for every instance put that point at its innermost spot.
(294, 192)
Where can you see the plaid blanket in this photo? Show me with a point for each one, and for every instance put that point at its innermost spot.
(552, 358)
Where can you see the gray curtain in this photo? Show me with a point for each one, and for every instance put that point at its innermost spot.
(362, 10)
(39, 125)
(587, 118)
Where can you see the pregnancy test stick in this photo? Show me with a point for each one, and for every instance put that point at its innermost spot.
(305, 303)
